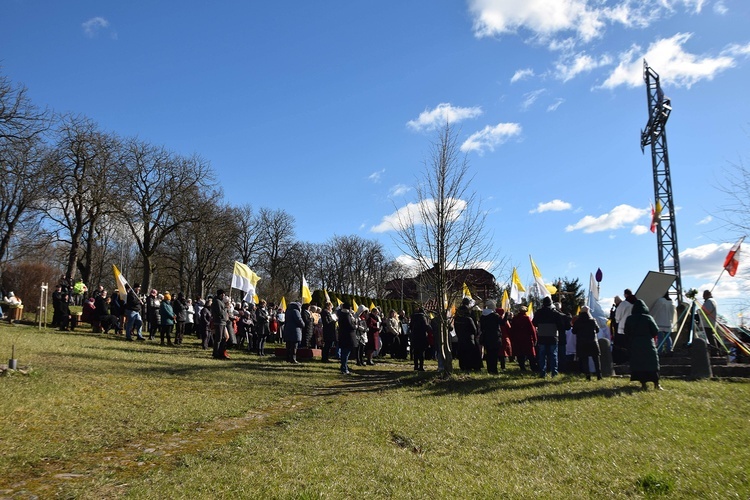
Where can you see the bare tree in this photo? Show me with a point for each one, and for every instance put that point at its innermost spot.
(446, 230)
(78, 192)
(249, 236)
(155, 183)
(278, 239)
(20, 119)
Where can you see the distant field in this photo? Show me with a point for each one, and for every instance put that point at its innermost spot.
(99, 417)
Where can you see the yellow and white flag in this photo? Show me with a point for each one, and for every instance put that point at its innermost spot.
(282, 304)
(516, 287)
(306, 295)
(243, 278)
(530, 311)
(505, 301)
(328, 298)
(542, 290)
(467, 293)
(120, 281)
(354, 305)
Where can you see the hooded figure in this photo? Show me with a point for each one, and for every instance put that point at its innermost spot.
(489, 324)
(640, 330)
(585, 329)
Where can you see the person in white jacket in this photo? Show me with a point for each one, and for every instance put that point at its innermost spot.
(663, 312)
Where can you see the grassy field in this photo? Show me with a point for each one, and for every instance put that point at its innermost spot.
(98, 417)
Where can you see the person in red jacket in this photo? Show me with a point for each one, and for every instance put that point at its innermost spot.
(523, 338)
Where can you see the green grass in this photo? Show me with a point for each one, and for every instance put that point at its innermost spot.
(102, 418)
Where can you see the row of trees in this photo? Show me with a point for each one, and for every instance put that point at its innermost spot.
(75, 199)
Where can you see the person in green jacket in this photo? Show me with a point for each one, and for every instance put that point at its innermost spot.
(640, 331)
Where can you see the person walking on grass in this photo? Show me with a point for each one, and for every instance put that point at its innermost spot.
(549, 325)
(489, 325)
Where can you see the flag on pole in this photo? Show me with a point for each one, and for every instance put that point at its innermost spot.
(338, 302)
(306, 295)
(354, 305)
(516, 287)
(282, 304)
(328, 298)
(530, 310)
(505, 301)
(538, 281)
(732, 261)
(372, 305)
(256, 299)
(243, 278)
(121, 282)
(467, 293)
(655, 215)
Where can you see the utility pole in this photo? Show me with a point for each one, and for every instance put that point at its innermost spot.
(655, 135)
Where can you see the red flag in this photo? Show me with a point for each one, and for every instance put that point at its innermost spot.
(732, 261)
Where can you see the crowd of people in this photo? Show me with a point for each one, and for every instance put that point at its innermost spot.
(550, 342)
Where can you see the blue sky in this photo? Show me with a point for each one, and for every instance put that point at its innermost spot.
(330, 107)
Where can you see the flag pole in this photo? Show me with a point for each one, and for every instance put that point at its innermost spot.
(717, 279)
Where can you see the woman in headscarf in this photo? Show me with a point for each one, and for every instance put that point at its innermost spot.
(587, 345)
(167, 317)
(640, 331)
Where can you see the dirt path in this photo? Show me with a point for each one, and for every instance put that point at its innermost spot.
(108, 472)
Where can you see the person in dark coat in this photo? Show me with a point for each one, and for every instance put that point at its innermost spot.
(179, 305)
(309, 328)
(152, 314)
(329, 330)
(347, 335)
(64, 318)
(373, 334)
(549, 327)
(469, 357)
(585, 329)
(292, 334)
(640, 331)
(489, 325)
(219, 318)
(204, 323)
(262, 326)
(167, 318)
(523, 338)
(419, 328)
(106, 320)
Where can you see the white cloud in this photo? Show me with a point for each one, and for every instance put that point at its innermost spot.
(399, 190)
(556, 104)
(720, 8)
(92, 27)
(568, 67)
(375, 176)
(704, 261)
(618, 217)
(412, 215)
(442, 114)
(522, 74)
(543, 18)
(530, 98)
(705, 220)
(551, 206)
(490, 136)
(562, 24)
(674, 65)
(639, 229)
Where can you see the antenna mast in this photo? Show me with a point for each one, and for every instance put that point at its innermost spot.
(655, 135)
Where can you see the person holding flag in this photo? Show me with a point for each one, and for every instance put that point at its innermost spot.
(133, 307)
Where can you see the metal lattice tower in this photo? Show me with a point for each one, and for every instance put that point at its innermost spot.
(659, 109)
